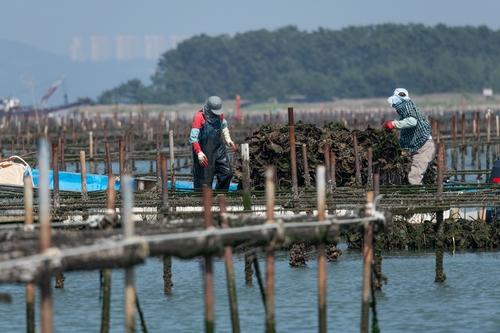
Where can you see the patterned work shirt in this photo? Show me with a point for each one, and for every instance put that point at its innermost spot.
(413, 138)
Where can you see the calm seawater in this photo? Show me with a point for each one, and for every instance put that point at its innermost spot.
(411, 301)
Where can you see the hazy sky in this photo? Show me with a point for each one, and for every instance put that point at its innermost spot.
(51, 24)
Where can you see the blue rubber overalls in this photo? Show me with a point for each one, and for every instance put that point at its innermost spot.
(213, 147)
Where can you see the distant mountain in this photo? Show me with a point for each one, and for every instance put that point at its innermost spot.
(20, 62)
(321, 65)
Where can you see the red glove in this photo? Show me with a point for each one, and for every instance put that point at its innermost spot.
(389, 125)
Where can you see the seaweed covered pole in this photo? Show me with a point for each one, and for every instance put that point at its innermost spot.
(440, 276)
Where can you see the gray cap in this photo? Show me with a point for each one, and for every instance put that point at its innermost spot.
(214, 104)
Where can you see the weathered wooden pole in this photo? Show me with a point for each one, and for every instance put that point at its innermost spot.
(83, 173)
(55, 171)
(270, 269)
(377, 247)
(106, 273)
(320, 248)
(208, 278)
(167, 260)
(462, 128)
(158, 156)
(245, 157)
(91, 152)
(172, 159)
(440, 275)
(327, 159)
(228, 263)
(128, 232)
(333, 169)
(488, 126)
(367, 264)
(357, 163)
(164, 184)
(369, 169)
(478, 124)
(121, 156)
(111, 194)
(61, 154)
(56, 199)
(45, 235)
(28, 222)
(307, 177)
(293, 153)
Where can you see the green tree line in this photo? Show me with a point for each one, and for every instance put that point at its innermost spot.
(322, 65)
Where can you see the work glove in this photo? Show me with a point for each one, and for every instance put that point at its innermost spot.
(202, 159)
(389, 125)
(233, 146)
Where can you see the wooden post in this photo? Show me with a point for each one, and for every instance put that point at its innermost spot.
(228, 263)
(61, 154)
(497, 125)
(333, 170)
(462, 128)
(245, 156)
(369, 169)
(488, 126)
(307, 177)
(322, 275)
(293, 153)
(121, 156)
(172, 159)
(440, 275)
(28, 221)
(45, 235)
(83, 172)
(164, 189)
(270, 269)
(128, 232)
(158, 158)
(327, 159)
(91, 151)
(111, 195)
(167, 260)
(106, 273)
(208, 265)
(367, 264)
(55, 171)
(376, 184)
(356, 159)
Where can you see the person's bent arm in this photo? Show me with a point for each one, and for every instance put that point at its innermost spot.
(198, 122)
(407, 122)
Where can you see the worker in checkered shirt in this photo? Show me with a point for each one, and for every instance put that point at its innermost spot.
(415, 134)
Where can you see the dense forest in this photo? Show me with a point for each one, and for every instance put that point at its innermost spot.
(321, 65)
